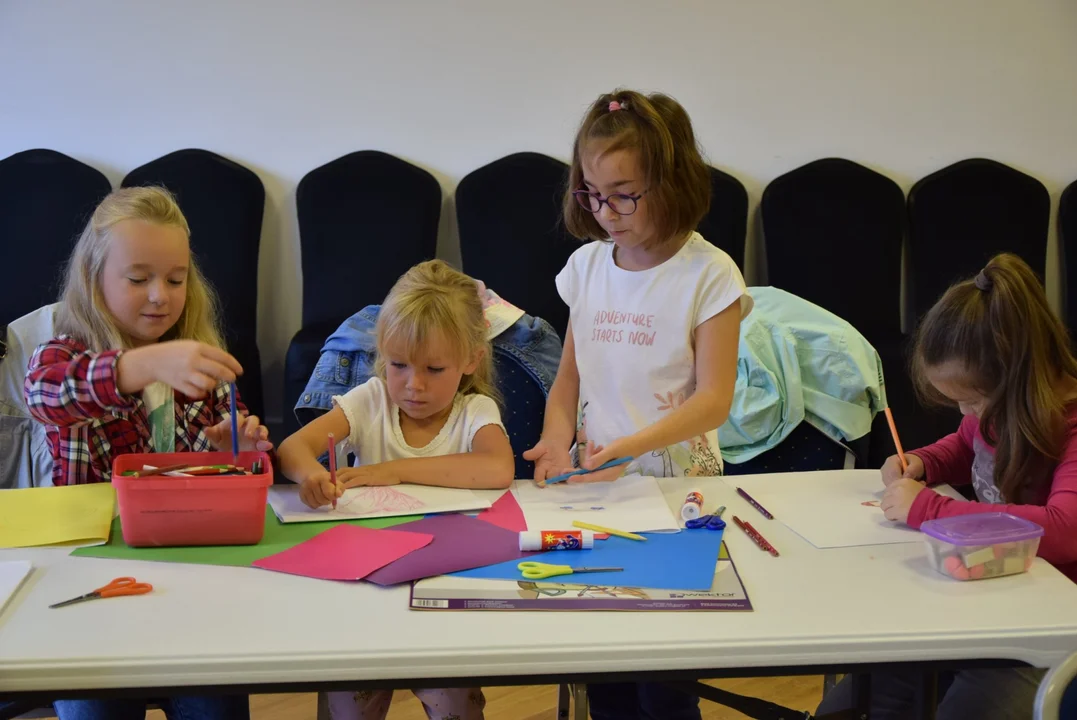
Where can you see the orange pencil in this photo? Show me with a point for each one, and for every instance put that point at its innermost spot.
(333, 467)
(897, 440)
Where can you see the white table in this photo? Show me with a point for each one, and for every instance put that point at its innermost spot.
(211, 626)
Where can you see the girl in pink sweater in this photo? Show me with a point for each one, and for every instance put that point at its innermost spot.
(992, 347)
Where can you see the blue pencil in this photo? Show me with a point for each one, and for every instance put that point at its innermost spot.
(235, 424)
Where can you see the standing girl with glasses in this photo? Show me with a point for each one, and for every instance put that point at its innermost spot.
(651, 352)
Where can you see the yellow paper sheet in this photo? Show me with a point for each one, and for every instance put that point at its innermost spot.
(56, 516)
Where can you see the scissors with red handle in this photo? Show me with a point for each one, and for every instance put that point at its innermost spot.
(119, 586)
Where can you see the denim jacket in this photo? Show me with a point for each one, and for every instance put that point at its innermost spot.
(347, 358)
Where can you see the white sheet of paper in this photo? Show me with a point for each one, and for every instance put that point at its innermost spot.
(375, 502)
(630, 503)
(12, 575)
(827, 509)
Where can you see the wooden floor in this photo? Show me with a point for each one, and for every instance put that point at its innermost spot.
(540, 702)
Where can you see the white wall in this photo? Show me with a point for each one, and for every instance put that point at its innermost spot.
(905, 86)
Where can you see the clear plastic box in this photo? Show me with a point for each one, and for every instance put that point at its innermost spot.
(983, 545)
(162, 511)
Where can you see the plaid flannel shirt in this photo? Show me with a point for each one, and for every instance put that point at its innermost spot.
(89, 421)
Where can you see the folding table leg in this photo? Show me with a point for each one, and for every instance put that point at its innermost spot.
(323, 706)
(579, 699)
(927, 696)
(562, 701)
(862, 694)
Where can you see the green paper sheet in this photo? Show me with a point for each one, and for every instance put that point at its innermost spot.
(277, 538)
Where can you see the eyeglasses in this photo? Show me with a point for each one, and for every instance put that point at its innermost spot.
(619, 202)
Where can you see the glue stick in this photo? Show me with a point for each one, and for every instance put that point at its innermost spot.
(693, 506)
(534, 540)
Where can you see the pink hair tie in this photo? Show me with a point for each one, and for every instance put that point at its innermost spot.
(615, 106)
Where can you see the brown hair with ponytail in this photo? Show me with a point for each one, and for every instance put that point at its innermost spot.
(659, 129)
(1016, 352)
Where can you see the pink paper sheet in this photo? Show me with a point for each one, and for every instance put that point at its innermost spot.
(505, 513)
(345, 552)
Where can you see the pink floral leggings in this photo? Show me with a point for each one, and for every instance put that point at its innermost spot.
(453, 704)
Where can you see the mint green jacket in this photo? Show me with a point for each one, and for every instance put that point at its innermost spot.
(799, 363)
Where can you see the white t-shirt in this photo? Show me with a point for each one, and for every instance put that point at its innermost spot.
(634, 344)
(374, 425)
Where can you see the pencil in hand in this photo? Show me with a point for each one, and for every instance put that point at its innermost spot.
(333, 467)
(897, 440)
(235, 424)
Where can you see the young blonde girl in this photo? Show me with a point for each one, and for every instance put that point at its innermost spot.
(138, 366)
(428, 417)
(991, 346)
(651, 352)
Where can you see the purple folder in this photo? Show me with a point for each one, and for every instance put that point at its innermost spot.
(460, 543)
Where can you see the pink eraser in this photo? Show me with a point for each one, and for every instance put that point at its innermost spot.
(976, 572)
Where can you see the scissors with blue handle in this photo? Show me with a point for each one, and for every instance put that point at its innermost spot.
(537, 571)
(119, 586)
(713, 521)
(582, 471)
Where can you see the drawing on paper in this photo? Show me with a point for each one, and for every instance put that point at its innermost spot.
(532, 590)
(366, 500)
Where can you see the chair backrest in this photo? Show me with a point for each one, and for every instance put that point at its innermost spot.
(511, 233)
(726, 223)
(833, 231)
(962, 215)
(1057, 697)
(364, 219)
(523, 408)
(45, 200)
(224, 203)
(805, 450)
(1067, 239)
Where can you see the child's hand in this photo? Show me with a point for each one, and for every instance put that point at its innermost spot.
(252, 435)
(549, 461)
(592, 456)
(318, 490)
(898, 499)
(189, 366)
(892, 469)
(367, 476)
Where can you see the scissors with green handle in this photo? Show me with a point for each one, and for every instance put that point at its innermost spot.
(538, 571)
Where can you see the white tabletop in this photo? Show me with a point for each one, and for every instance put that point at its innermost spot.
(206, 625)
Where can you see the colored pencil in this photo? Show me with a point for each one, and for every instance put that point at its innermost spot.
(610, 531)
(333, 467)
(897, 440)
(756, 505)
(766, 543)
(235, 424)
(755, 536)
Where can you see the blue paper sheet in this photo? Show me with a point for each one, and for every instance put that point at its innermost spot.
(675, 561)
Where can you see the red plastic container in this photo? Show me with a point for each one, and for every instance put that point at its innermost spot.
(163, 511)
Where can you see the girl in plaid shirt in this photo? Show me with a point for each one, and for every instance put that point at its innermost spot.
(138, 366)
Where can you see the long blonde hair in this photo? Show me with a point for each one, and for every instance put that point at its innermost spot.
(434, 299)
(83, 314)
